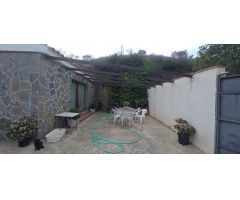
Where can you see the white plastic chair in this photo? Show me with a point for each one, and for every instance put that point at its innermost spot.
(145, 111)
(137, 112)
(116, 116)
(141, 116)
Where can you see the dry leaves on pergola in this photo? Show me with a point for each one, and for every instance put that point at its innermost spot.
(118, 75)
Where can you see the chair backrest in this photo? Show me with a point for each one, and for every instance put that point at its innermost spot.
(144, 111)
(139, 111)
(115, 111)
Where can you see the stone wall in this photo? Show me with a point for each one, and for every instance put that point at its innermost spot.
(18, 74)
(54, 92)
(32, 85)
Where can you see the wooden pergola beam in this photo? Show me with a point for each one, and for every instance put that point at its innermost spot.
(95, 71)
(131, 69)
(117, 66)
(122, 78)
(121, 82)
(99, 74)
(123, 85)
(136, 83)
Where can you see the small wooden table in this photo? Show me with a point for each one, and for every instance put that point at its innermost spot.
(66, 115)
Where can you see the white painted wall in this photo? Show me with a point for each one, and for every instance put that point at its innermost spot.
(192, 99)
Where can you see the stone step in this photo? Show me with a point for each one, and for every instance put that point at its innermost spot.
(55, 135)
(85, 115)
(84, 112)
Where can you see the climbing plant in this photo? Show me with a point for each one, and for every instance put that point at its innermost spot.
(136, 97)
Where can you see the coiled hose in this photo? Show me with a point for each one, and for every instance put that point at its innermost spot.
(98, 140)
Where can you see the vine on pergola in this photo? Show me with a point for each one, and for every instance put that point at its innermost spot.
(121, 75)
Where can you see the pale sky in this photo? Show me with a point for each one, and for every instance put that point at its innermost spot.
(100, 27)
(108, 50)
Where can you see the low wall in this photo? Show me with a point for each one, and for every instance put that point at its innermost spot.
(193, 99)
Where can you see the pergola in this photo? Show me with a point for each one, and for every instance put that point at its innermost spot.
(118, 75)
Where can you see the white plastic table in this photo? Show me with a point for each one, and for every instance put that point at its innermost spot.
(129, 109)
(66, 115)
(126, 113)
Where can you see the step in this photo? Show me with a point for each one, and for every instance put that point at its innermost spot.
(55, 135)
(85, 115)
(84, 112)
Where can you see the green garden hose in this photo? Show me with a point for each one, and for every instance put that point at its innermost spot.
(98, 141)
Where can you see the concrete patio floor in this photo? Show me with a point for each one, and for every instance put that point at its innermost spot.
(157, 139)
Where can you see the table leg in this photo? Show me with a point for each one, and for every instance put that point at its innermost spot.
(57, 122)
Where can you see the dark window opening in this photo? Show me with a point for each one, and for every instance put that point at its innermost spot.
(78, 95)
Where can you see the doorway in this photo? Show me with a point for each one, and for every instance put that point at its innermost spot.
(228, 115)
(78, 91)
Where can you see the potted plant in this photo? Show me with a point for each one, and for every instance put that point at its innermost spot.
(23, 130)
(126, 104)
(93, 106)
(108, 109)
(184, 131)
(73, 122)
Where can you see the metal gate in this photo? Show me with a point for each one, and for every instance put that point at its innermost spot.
(228, 115)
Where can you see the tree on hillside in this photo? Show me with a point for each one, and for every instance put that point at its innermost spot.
(180, 54)
(133, 59)
(178, 62)
(219, 54)
(181, 65)
(130, 51)
(142, 52)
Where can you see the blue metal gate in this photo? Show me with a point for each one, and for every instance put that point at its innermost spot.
(228, 115)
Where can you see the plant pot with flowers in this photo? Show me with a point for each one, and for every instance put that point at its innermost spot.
(125, 105)
(93, 106)
(22, 130)
(184, 131)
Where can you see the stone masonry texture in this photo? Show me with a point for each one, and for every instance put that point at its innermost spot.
(33, 85)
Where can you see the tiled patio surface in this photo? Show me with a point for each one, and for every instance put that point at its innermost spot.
(157, 139)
